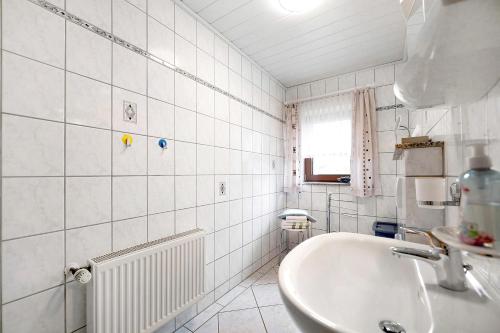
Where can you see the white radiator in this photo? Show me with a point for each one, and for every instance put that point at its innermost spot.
(137, 290)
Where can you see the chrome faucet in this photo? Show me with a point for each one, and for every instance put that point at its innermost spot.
(447, 261)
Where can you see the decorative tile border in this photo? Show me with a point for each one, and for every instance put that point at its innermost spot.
(390, 107)
(115, 39)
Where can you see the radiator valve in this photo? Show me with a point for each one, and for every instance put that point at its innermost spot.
(81, 274)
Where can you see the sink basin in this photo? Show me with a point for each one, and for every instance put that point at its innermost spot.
(345, 282)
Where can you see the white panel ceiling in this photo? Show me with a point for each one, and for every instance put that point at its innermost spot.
(338, 36)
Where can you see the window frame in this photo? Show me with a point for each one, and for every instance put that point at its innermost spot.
(309, 176)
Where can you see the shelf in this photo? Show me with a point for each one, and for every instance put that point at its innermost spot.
(450, 236)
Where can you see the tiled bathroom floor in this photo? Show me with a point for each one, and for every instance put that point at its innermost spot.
(254, 306)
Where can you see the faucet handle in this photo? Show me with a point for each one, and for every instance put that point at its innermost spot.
(426, 233)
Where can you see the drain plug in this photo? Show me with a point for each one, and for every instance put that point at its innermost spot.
(390, 326)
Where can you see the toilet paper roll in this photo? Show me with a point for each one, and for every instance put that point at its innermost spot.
(430, 192)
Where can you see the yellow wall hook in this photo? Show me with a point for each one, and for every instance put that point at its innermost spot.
(127, 139)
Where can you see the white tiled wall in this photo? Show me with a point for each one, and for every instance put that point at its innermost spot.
(71, 190)
(349, 213)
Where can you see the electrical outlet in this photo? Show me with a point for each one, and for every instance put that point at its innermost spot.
(222, 188)
(130, 112)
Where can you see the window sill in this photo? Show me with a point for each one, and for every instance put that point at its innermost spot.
(326, 183)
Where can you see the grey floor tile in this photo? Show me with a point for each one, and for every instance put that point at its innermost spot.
(267, 294)
(251, 279)
(232, 294)
(244, 301)
(242, 321)
(205, 315)
(269, 277)
(278, 320)
(211, 326)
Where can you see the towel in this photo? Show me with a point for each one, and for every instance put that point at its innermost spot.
(295, 225)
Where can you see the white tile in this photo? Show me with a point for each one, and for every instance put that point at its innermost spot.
(221, 50)
(211, 326)
(246, 139)
(205, 157)
(386, 120)
(44, 85)
(129, 197)
(160, 194)
(129, 69)
(163, 11)
(161, 161)
(386, 142)
(185, 219)
(234, 60)
(304, 91)
(140, 4)
(160, 119)
(87, 242)
(185, 192)
(161, 40)
(24, 21)
(221, 215)
(97, 12)
(185, 159)
(129, 160)
(246, 68)
(205, 100)
(256, 76)
(384, 75)
(318, 88)
(221, 76)
(235, 162)
(332, 85)
(205, 39)
(221, 107)
(88, 151)
(129, 23)
(235, 186)
(222, 161)
(32, 147)
(128, 233)
(185, 92)
(235, 137)
(43, 312)
(204, 316)
(245, 300)
(278, 320)
(76, 306)
(221, 267)
(221, 243)
(88, 54)
(267, 294)
(185, 125)
(386, 207)
(235, 112)
(32, 206)
(206, 218)
(160, 82)
(92, 108)
(205, 66)
(43, 254)
(236, 238)
(234, 84)
(205, 190)
(221, 133)
(365, 78)
(88, 201)
(185, 55)
(241, 321)
(185, 25)
(235, 212)
(384, 96)
(205, 130)
(161, 225)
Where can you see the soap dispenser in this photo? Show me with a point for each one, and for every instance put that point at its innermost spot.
(480, 206)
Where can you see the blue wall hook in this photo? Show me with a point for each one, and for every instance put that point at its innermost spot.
(162, 143)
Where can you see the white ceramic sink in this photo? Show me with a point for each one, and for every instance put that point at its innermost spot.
(344, 282)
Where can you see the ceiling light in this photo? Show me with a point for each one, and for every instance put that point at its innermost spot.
(298, 6)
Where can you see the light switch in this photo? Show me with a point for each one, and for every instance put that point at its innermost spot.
(130, 112)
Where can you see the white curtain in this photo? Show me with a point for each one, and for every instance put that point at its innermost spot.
(325, 126)
(365, 178)
(292, 167)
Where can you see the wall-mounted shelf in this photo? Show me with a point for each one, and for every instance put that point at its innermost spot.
(450, 236)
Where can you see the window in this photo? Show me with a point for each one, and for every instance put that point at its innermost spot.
(325, 137)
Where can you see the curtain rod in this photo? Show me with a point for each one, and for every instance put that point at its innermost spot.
(336, 93)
